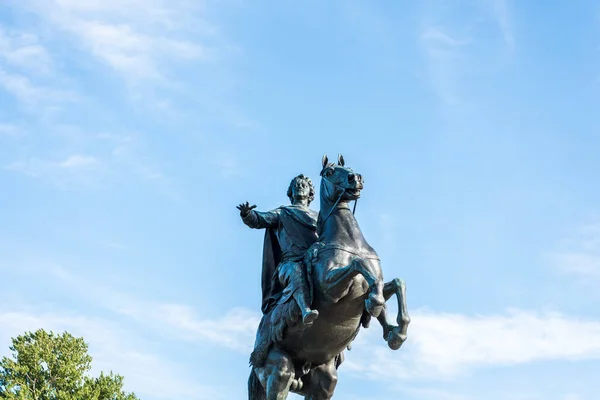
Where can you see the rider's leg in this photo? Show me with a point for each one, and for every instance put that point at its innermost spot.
(301, 294)
(293, 277)
(308, 314)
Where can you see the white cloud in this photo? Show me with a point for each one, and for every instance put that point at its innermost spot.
(434, 394)
(32, 167)
(235, 330)
(10, 130)
(583, 264)
(443, 53)
(443, 346)
(450, 40)
(571, 396)
(131, 52)
(25, 66)
(501, 11)
(115, 157)
(34, 95)
(436, 35)
(112, 348)
(139, 39)
(580, 254)
(439, 346)
(23, 50)
(77, 160)
(147, 44)
(75, 170)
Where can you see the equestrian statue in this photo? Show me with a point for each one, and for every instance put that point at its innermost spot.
(321, 282)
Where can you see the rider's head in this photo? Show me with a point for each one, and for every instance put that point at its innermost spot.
(301, 187)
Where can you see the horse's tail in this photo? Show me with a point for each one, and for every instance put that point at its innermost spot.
(263, 342)
(272, 327)
(256, 391)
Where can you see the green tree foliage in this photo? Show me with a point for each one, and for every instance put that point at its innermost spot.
(46, 366)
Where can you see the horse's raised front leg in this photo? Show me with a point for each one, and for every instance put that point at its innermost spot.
(395, 335)
(338, 281)
(276, 375)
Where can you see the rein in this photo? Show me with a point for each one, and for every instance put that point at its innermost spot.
(337, 201)
(350, 250)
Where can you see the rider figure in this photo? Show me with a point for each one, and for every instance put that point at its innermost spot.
(290, 231)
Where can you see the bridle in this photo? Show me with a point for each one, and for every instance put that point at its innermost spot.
(335, 184)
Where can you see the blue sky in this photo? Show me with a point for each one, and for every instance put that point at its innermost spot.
(130, 129)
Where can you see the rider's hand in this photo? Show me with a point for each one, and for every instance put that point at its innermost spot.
(245, 208)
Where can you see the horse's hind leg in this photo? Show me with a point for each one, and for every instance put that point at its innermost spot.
(395, 335)
(276, 375)
(320, 382)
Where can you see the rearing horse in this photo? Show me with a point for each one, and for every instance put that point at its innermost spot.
(347, 289)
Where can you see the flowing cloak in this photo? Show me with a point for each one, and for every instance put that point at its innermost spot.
(300, 225)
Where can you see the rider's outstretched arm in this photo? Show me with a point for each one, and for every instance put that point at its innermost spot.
(259, 219)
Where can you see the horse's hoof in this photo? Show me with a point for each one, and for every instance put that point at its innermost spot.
(395, 339)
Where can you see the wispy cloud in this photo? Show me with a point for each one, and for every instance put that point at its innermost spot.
(11, 130)
(35, 95)
(74, 170)
(449, 37)
(441, 345)
(444, 60)
(141, 40)
(438, 37)
(584, 264)
(27, 73)
(113, 348)
(580, 254)
(234, 330)
(147, 45)
(78, 160)
(501, 12)
(23, 50)
(434, 394)
(131, 53)
(115, 157)
(444, 346)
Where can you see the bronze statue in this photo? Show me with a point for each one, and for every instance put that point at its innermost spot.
(345, 285)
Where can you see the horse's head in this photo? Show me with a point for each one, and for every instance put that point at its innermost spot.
(339, 183)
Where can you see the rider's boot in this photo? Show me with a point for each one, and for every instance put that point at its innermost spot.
(308, 315)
